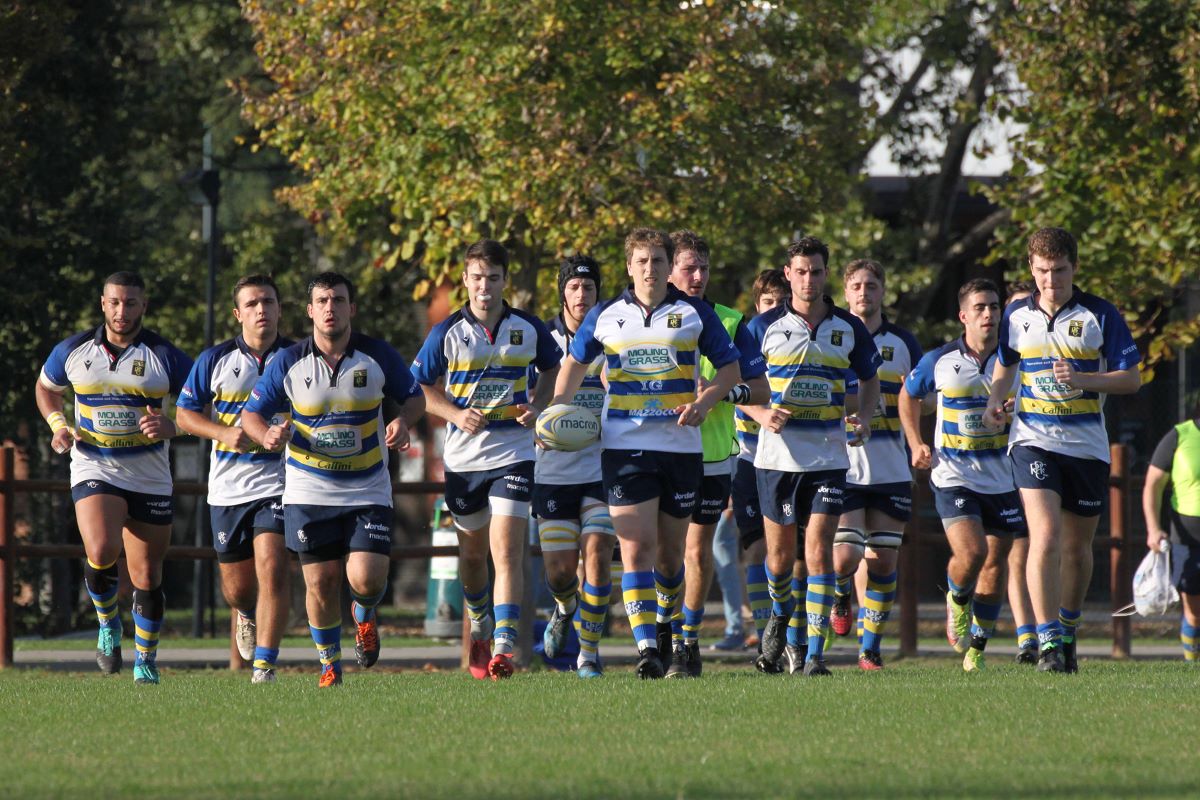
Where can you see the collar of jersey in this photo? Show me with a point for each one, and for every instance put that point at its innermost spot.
(101, 339)
(1031, 302)
(278, 344)
(966, 351)
(673, 296)
(832, 310)
(312, 343)
(505, 312)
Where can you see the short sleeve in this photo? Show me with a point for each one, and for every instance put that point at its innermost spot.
(750, 357)
(430, 364)
(197, 393)
(1006, 353)
(864, 356)
(1164, 453)
(54, 371)
(920, 380)
(714, 342)
(269, 397)
(549, 354)
(1119, 350)
(584, 346)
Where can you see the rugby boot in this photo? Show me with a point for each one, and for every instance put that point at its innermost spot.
(246, 637)
(1069, 658)
(774, 637)
(366, 643)
(501, 666)
(814, 667)
(554, 640)
(263, 676)
(108, 649)
(870, 661)
(793, 659)
(649, 665)
(840, 618)
(1026, 655)
(958, 623)
(329, 677)
(146, 672)
(1051, 660)
(679, 665)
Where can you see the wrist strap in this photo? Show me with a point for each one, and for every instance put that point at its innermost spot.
(739, 394)
(57, 421)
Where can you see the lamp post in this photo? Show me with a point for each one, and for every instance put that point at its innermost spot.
(204, 188)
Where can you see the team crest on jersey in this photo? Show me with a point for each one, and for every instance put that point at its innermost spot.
(139, 367)
(516, 336)
(887, 353)
(835, 338)
(360, 378)
(674, 320)
(1075, 328)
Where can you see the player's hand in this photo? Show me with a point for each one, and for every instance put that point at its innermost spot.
(155, 426)
(277, 436)
(471, 420)
(690, 415)
(529, 414)
(922, 457)
(64, 438)
(995, 417)
(1064, 373)
(1155, 539)
(395, 435)
(776, 420)
(1010, 405)
(859, 433)
(237, 439)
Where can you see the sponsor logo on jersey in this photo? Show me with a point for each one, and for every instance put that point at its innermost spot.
(648, 359)
(237, 372)
(337, 440)
(115, 419)
(87, 364)
(807, 391)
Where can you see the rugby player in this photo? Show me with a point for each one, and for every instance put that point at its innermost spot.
(811, 346)
(972, 479)
(122, 376)
(689, 274)
(1070, 349)
(568, 495)
(652, 336)
(481, 355)
(337, 495)
(878, 498)
(245, 482)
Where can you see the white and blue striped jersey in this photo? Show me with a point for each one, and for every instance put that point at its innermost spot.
(747, 434)
(220, 383)
(966, 452)
(653, 364)
(884, 457)
(1089, 333)
(487, 370)
(336, 456)
(807, 369)
(558, 467)
(112, 389)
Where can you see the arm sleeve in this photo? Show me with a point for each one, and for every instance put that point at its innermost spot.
(398, 381)
(584, 345)
(1119, 350)
(920, 381)
(1007, 355)
(714, 342)
(549, 354)
(196, 393)
(864, 356)
(914, 348)
(269, 397)
(752, 362)
(54, 371)
(430, 363)
(1164, 453)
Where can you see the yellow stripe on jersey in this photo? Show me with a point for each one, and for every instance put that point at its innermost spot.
(338, 404)
(809, 356)
(117, 388)
(637, 402)
(481, 360)
(997, 442)
(1057, 350)
(959, 392)
(1058, 408)
(825, 413)
(330, 463)
(466, 388)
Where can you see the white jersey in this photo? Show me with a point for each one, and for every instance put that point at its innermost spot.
(807, 369)
(1089, 333)
(884, 458)
(653, 363)
(336, 456)
(966, 452)
(112, 389)
(558, 467)
(221, 382)
(487, 370)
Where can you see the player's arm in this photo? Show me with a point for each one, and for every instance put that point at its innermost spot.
(1121, 381)
(1003, 376)
(911, 409)
(471, 420)
(717, 390)
(268, 398)
(868, 397)
(50, 406)
(567, 380)
(202, 425)
(542, 394)
(753, 388)
(1152, 494)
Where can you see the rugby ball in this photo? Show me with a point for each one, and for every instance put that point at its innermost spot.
(567, 427)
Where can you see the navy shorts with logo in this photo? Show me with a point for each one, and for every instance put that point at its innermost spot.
(554, 501)
(746, 512)
(1082, 483)
(997, 513)
(468, 492)
(714, 496)
(791, 497)
(234, 527)
(893, 499)
(325, 533)
(153, 509)
(1185, 560)
(635, 476)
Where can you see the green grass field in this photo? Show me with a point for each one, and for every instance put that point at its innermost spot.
(919, 729)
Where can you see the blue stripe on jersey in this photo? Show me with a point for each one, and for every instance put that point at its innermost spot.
(230, 406)
(672, 386)
(1065, 420)
(258, 455)
(103, 451)
(130, 400)
(340, 418)
(954, 452)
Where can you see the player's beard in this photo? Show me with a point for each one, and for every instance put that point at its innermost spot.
(132, 328)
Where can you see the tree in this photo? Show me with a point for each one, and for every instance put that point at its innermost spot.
(557, 126)
(1112, 149)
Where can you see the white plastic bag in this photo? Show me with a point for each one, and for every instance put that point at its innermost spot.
(1153, 592)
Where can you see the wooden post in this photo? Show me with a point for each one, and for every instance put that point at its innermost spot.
(909, 579)
(8, 461)
(1120, 575)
